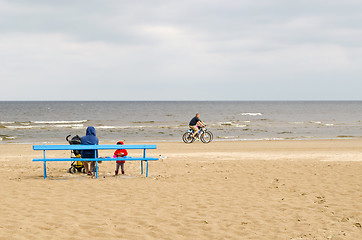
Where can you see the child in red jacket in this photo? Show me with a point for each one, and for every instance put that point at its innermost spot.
(117, 154)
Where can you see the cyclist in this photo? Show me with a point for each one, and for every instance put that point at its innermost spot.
(196, 122)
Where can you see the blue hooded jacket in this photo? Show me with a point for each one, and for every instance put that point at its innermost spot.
(89, 139)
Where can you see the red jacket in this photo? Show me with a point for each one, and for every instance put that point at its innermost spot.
(118, 151)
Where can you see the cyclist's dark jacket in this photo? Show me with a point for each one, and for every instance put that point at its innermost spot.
(89, 139)
(194, 121)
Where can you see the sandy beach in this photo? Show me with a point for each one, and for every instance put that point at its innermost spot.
(223, 190)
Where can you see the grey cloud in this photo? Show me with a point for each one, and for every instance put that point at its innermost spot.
(225, 45)
(118, 21)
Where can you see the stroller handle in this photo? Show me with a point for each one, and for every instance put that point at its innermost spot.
(67, 138)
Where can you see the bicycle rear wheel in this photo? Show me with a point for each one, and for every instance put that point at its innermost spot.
(187, 138)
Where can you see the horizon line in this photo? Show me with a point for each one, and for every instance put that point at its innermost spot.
(180, 100)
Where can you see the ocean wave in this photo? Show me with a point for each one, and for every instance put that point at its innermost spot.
(59, 122)
(225, 123)
(323, 124)
(250, 114)
(6, 137)
(10, 138)
(77, 126)
(18, 127)
(143, 126)
(123, 127)
(286, 132)
(296, 122)
(271, 139)
(227, 137)
(144, 122)
(237, 138)
(81, 126)
(68, 126)
(231, 124)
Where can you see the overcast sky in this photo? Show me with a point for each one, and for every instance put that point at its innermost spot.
(181, 50)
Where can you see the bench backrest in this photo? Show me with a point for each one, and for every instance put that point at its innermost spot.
(91, 147)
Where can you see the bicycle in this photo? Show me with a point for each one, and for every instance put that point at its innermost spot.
(204, 135)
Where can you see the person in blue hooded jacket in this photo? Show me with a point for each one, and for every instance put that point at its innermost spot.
(89, 139)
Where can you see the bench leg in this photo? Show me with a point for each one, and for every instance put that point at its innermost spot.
(144, 155)
(96, 166)
(45, 166)
(95, 171)
(147, 170)
(45, 169)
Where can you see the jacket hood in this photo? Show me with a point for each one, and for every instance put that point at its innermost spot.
(91, 131)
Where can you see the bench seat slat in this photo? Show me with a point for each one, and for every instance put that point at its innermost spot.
(94, 159)
(91, 147)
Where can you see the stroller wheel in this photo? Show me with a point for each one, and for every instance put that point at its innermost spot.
(72, 170)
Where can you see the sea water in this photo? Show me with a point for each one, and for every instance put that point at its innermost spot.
(142, 121)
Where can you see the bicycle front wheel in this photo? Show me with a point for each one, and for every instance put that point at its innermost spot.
(206, 137)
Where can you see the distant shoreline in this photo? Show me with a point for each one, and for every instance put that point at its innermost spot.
(67, 101)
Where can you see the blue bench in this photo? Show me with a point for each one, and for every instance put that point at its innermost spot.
(96, 160)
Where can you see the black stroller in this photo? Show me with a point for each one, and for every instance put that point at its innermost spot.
(75, 165)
